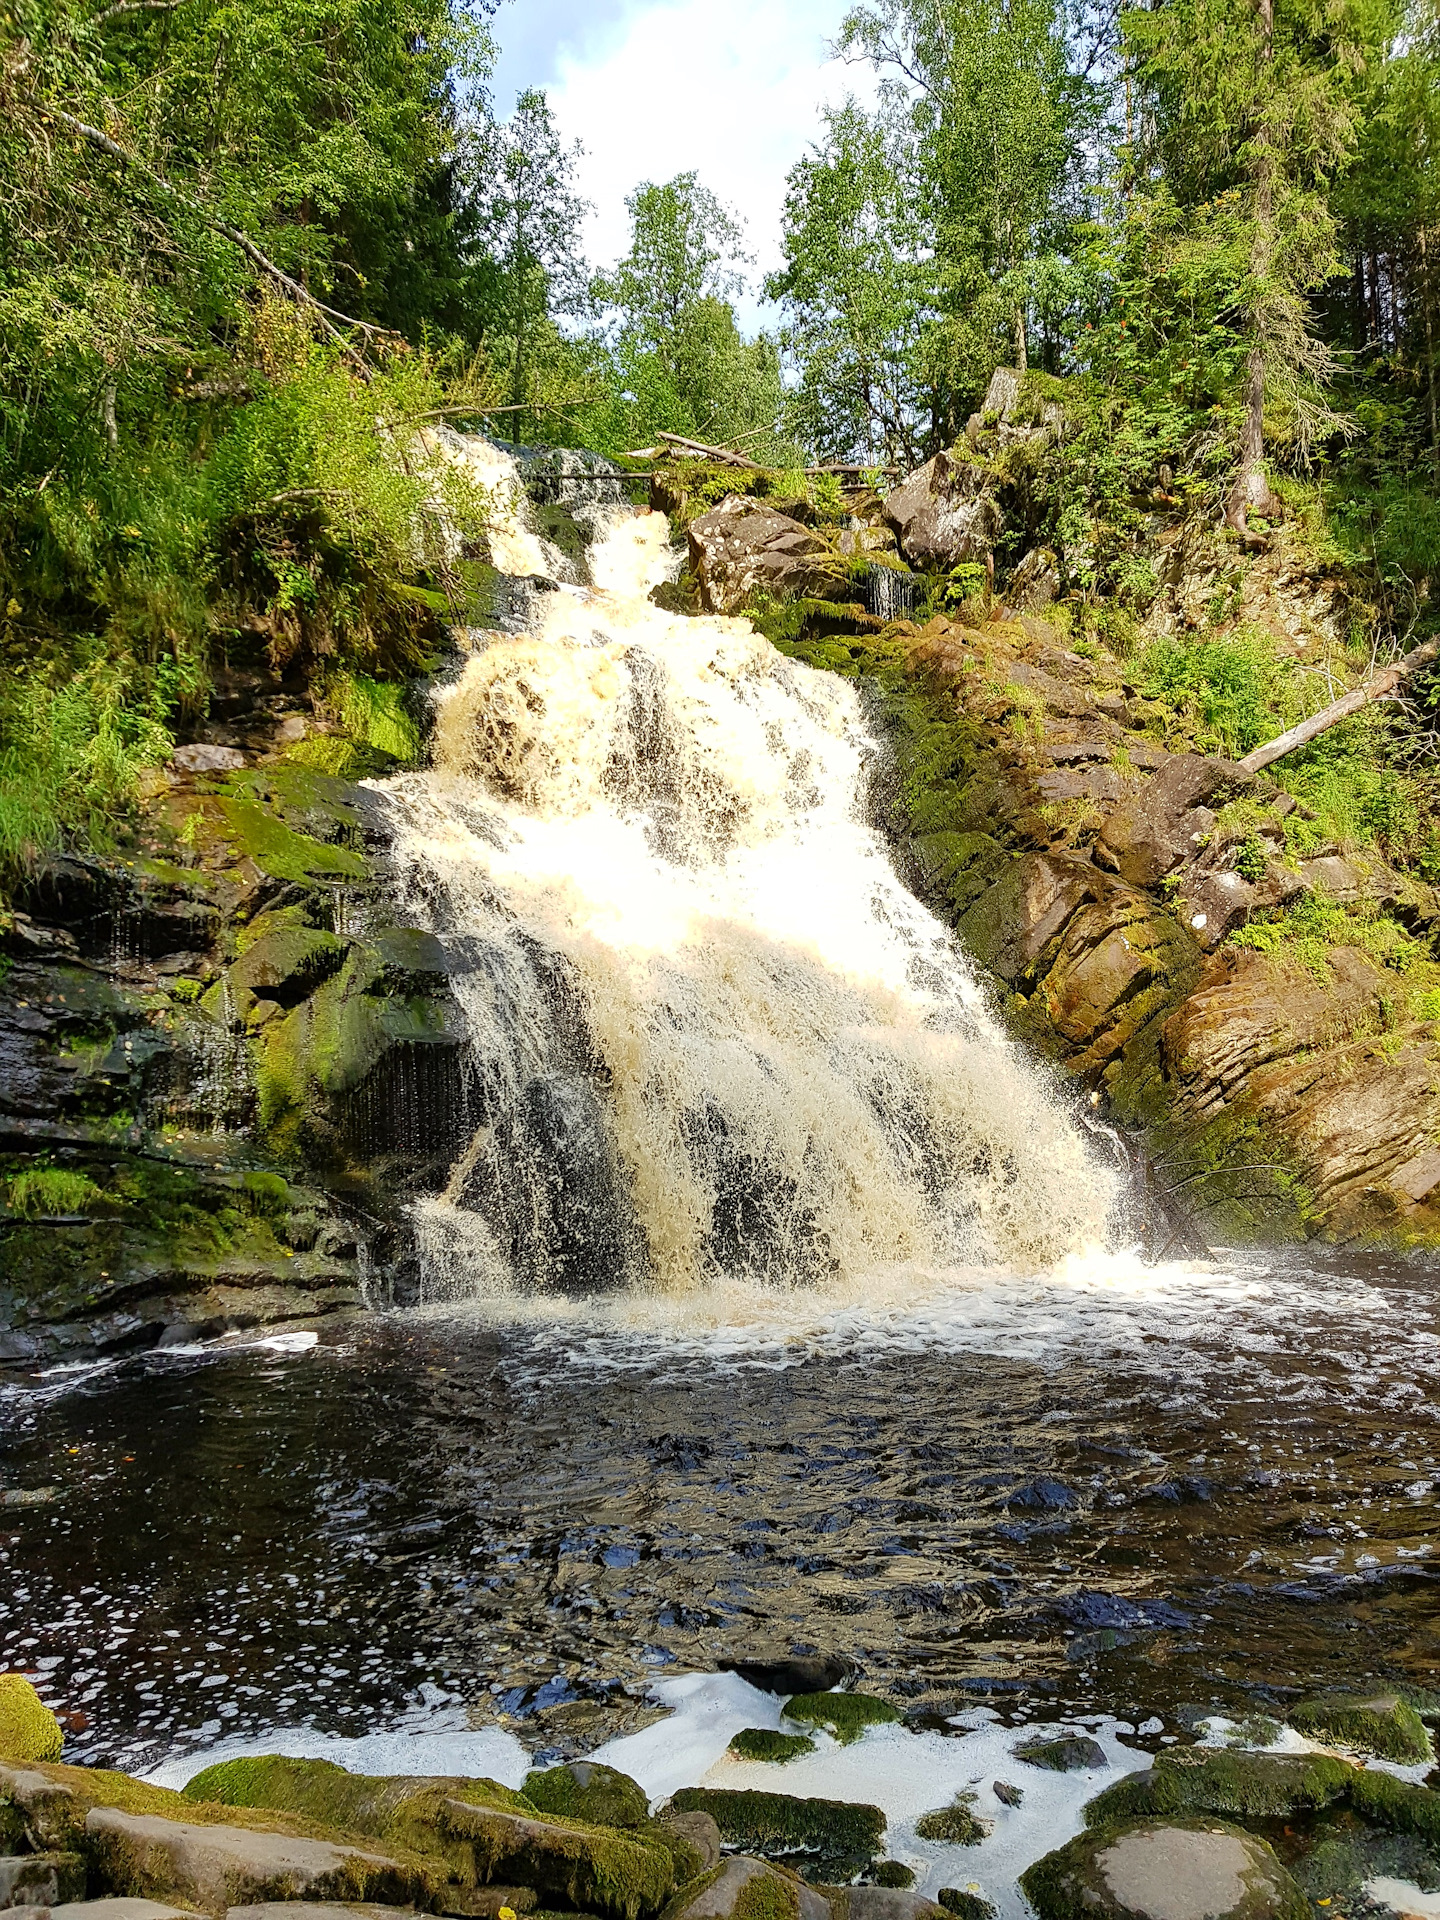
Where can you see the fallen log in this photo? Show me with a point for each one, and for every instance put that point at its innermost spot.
(1378, 687)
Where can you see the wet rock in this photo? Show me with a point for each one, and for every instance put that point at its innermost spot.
(217, 1866)
(836, 1838)
(763, 1743)
(41, 1879)
(1187, 1870)
(596, 1870)
(799, 1673)
(1379, 1723)
(1388, 1802)
(1246, 1785)
(697, 1830)
(945, 513)
(965, 1903)
(880, 1903)
(1007, 1795)
(1168, 819)
(742, 548)
(1072, 1753)
(585, 1790)
(203, 757)
(28, 1729)
(746, 1889)
(894, 1873)
(845, 1716)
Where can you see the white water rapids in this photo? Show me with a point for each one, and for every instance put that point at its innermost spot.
(713, 1039)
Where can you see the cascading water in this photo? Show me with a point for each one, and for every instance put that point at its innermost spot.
(713, 1039)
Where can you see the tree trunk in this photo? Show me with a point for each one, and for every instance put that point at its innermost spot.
(1250, 492)
(1376, 688)
(1428, 308)
(1022, 358)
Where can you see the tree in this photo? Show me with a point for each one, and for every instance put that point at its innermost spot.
(528, 219)
(1260, 100)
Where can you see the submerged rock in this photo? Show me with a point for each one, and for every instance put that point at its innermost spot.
(1187, 1870)
(1379, 1723)
(794, 1674)
(958, 1824)
(1073, 1753)
(28, 1729)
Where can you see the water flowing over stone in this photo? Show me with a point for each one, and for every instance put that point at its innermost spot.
(712, 1038)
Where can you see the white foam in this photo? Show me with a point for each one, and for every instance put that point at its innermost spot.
(1403, 1896)
(426, 1744)
(709, 1709)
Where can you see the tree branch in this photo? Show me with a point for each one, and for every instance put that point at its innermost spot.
(1376, 688)
(260, 261)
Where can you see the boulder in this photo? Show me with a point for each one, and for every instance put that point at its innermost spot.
(697, 1830)
(743, 548)
(1184, 1870)
(1168, 819)
(1213, 905)
(958, 1825)
(1035, 583)
(41, 1879)
(882, 1903)
(745, 1889)
(1072, 1753)
(203, 757)
(1379, 1723)
(218, 1866)
(584, 1790)
(945, 513)
(119, 1907)
(597, 1870)
(1263, 1786)
(965, 1903)
(839, 1838)
(28, 1729)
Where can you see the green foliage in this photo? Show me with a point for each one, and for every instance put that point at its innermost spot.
(51, 1190)
(1232, 691)
(1308, 931)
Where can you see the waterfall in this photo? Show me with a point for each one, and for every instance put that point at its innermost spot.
(711, 1036)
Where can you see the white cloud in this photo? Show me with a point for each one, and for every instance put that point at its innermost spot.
(733, 92)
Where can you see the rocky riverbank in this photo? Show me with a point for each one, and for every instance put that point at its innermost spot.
(1327, 1820)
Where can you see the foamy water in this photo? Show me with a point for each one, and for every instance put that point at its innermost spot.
(715, 1043)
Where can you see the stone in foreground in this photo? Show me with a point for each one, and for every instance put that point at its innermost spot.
(123, 1907)
(836, 1838)
(217, 1866)
(1184, 1870)
(746, 1889)
(585, 1790)
(41, 1879)
(313, 1910)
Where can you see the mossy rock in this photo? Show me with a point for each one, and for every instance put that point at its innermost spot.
(742, 1889)
(28, 1729)
(832, 1839)
(1387, 1802)
(845, 1715)
(763, 1743)
(965, 1904)
(1382, 1724)
(1262, 1786)
(894, 1873)
(584, 1790)
(1164, 1870)
(1072, 1753)
(958, 1825)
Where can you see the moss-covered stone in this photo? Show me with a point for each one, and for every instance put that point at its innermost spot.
(1072, 1753)
(834, 1839)
(965, 1903)
(1262, 1786)
(28, 1729)
(958, 1825)
(1388, 1802)
(1380, 1723)
(1196, 1869)
(894, 1873)
(584, 1790)
(844, 1715)
(763, 1743)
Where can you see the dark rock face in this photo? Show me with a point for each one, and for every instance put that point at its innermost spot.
(743, 547)
(215, 1078)
(1168, 819)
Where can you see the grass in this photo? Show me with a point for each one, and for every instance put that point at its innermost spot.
(43, 1192)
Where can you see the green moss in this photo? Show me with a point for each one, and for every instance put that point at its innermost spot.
(965, 1903)
(1388, 1802)
(28, 1729)
(1381, 1724)
(894, 1873)
(761, 1743)
(42, 1192)
(1068, 1884)
(839, 1837)
(281, 852)
(766, 1896)
(958, 1824)
(845, 1715)
(1248, 1785)
(583, 1790)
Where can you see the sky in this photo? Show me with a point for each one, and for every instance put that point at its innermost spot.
(653, 88)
